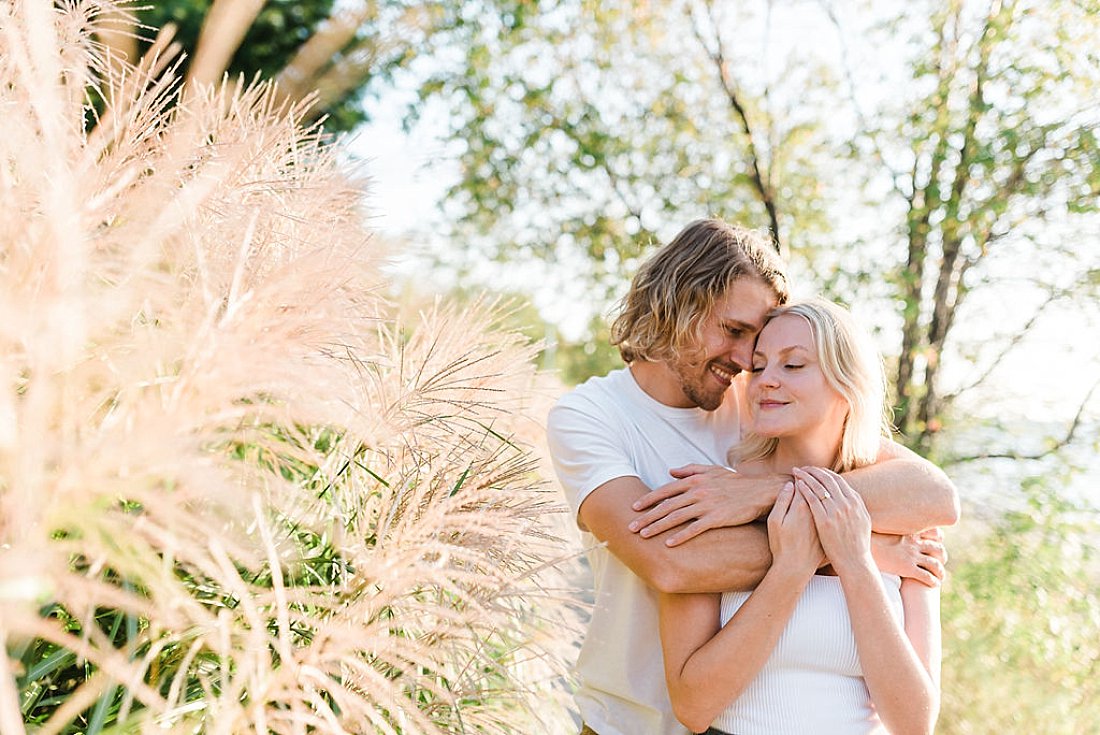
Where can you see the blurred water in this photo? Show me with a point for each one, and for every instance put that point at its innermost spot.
(990, 486)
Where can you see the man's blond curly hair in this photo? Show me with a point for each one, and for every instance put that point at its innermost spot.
(674, 291)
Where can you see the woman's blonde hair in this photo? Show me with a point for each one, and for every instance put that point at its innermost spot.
(853, 368)
(674, 291)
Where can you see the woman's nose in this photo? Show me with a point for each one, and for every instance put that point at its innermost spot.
(768, 377)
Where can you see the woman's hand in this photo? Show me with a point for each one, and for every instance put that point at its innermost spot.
(840, 517)
(791, 534)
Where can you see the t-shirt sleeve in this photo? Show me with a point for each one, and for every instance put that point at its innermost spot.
(587, 449)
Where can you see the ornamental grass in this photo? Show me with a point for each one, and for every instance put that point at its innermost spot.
(236, 493)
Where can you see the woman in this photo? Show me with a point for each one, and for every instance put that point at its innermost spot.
(834, 651)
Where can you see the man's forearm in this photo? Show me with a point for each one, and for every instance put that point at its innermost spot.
(736, 558)
(720, 560)
(704, 497)
(906, 495)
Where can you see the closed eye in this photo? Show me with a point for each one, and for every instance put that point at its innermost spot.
(794, 367)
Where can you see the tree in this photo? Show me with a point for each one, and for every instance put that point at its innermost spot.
(335, 51)
(585, 134)
(993, 156)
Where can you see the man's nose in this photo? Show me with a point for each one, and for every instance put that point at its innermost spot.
(741, 355)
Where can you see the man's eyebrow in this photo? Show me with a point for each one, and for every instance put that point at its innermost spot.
(738, 324)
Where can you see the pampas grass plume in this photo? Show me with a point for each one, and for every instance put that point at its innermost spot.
(235, 494)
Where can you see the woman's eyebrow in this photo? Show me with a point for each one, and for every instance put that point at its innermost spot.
(783, 352)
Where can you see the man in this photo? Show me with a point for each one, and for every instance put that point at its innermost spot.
(686, 329)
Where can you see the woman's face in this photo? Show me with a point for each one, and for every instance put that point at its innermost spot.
(788, 393)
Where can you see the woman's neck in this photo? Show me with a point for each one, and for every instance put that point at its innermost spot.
(803, 452)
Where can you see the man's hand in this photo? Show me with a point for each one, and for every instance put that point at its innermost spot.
(919, 556)
(701, 498)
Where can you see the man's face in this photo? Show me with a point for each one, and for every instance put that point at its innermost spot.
(705, 369)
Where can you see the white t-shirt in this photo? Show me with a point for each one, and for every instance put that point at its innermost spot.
(813, 681)
(608, 428)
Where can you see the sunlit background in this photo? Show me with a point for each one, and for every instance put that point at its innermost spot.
(835, 93)
(933, 164)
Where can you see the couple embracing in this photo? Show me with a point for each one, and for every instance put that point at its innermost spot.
(769, 560)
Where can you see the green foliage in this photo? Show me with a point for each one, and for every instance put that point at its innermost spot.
(576, 362)
(1021, 615)
(315, 559)
(51, 673)
(278, 31)
(992, 156)
(586, 133)
(382, 40)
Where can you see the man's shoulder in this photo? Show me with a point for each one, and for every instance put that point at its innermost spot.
(600, 401)
(597, 391)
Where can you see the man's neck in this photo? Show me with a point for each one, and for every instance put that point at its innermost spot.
(660, 383)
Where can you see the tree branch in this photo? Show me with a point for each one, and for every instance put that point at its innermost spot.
(896, 177)
(603, 162)
(924, 201)
(1065, 441)
(1011, 345)
(717, 55)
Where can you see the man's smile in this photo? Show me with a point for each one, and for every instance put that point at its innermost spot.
(724, 374)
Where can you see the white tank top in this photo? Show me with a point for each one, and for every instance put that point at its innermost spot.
(813, 681)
